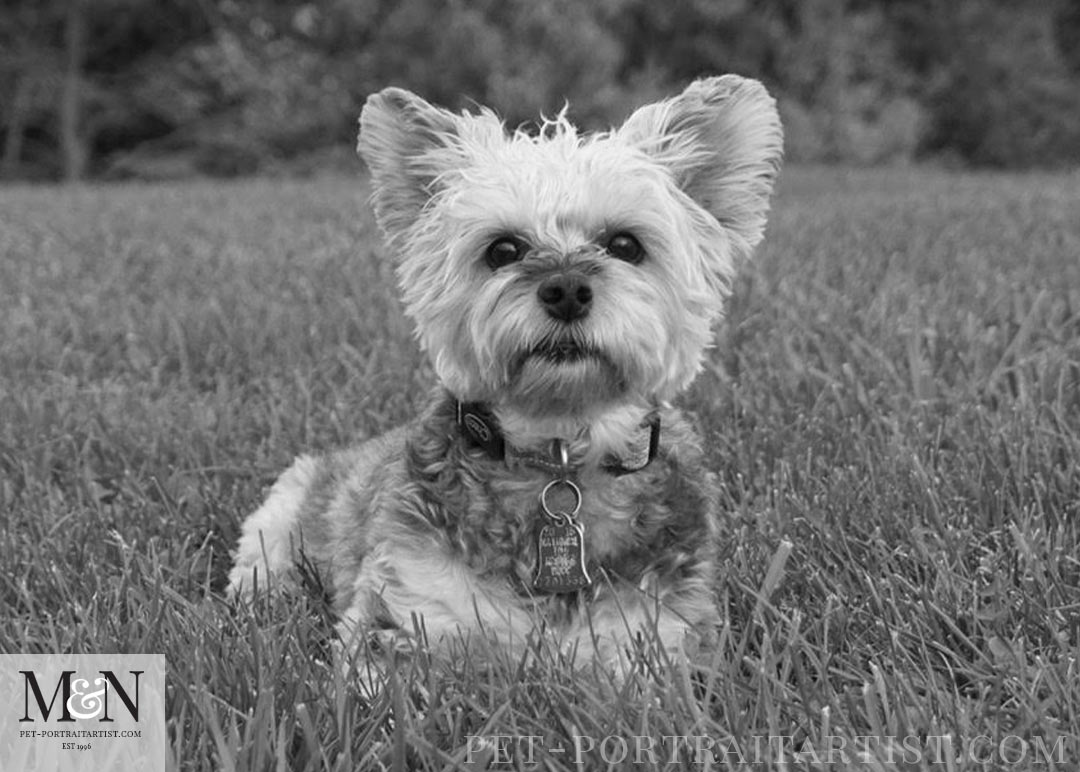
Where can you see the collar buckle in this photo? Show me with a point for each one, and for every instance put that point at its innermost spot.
(480, 426)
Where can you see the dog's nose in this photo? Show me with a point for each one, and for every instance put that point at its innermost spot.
(565, 296)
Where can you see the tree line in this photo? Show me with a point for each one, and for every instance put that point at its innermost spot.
(171, 88)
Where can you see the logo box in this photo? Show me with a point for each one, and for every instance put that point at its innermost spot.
(83, 712)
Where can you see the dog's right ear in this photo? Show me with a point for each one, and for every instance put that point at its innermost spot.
(400, 135)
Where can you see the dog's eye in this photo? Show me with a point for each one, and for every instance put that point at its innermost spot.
(625, 247)
(504, 251)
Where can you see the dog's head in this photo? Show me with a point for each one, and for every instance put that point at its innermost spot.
(561, 274)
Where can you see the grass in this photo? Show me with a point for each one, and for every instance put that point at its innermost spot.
(893, 405)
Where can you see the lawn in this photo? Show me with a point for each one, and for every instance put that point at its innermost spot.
(893, 405)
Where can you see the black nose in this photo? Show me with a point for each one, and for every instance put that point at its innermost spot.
(565, 296)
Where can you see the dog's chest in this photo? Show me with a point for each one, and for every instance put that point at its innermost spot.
(506, 525)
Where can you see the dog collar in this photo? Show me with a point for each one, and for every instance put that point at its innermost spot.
(480, 428)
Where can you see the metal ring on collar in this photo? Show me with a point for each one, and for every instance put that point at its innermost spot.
(576, 491)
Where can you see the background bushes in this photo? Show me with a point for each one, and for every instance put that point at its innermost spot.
(173, 88)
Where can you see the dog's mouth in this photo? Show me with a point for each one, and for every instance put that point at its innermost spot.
(557, 352)
(563, 374)
(563, 351)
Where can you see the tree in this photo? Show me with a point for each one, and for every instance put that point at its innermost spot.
(992, 77)
(1067, 29)
(72, 138)
(179, 87)
(31, 69)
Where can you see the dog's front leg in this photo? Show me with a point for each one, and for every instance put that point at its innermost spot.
(401, 592)
(626, 623)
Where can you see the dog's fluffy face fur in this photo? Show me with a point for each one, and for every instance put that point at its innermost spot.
(650, 218)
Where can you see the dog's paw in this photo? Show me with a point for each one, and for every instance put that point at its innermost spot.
(367, 657)
(391, 642)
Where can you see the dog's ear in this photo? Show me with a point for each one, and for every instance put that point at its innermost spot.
(398, 133)
(722, 141)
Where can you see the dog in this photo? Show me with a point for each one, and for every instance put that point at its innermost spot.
(565, 286)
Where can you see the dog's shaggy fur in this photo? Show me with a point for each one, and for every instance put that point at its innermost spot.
(565, 288)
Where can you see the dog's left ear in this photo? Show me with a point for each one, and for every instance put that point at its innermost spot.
(400, 135)
(722, 141)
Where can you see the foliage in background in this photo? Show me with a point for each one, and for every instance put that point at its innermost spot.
(227, 87)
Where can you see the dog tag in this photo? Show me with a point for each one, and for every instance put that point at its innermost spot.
(560, 559)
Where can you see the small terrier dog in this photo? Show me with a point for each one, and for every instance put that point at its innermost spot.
(565, 287)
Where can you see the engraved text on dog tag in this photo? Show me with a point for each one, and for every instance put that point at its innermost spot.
(560, 559)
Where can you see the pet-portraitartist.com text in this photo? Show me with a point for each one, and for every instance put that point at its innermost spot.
(1009, 750)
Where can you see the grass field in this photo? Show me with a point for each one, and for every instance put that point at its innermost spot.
(893, 405)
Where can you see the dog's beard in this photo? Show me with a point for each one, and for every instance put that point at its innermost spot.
(564, 375)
